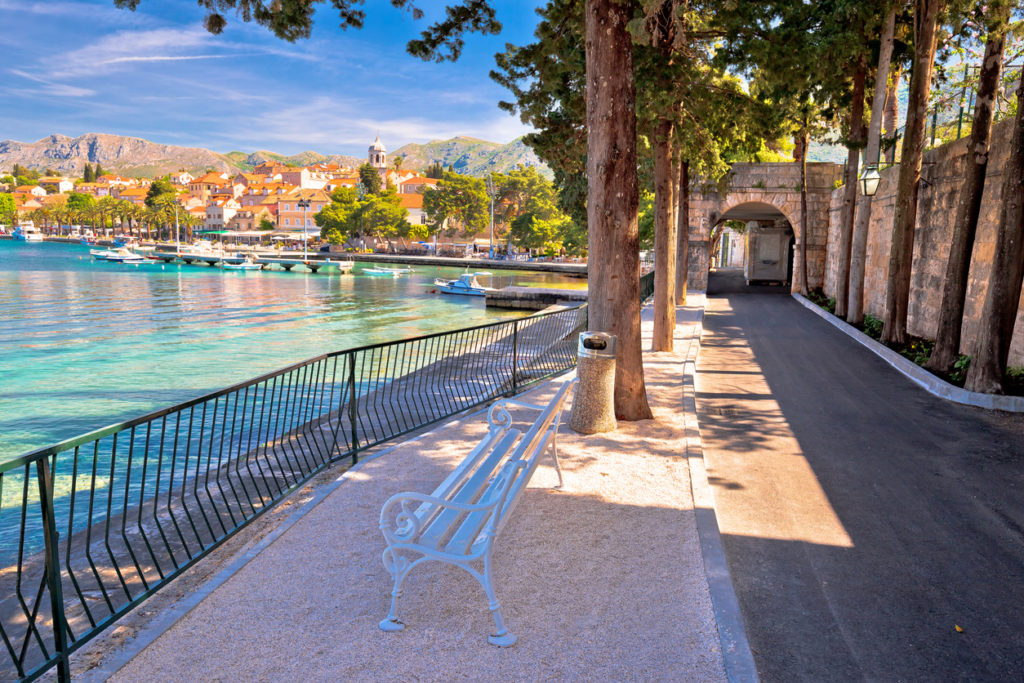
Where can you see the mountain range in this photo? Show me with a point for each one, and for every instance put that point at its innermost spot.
(132, 156)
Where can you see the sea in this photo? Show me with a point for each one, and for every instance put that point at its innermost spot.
(87, 343)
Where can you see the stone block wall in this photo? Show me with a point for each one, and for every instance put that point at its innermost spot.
(943, 170)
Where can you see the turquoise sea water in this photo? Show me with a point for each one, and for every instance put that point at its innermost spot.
(85, 343)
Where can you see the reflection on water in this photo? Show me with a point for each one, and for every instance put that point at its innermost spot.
(87, 343)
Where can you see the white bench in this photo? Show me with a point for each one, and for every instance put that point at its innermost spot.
(460, 520)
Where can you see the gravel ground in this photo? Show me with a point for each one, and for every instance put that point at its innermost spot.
(602, 580)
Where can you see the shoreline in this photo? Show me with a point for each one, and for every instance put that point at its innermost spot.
(573, 269)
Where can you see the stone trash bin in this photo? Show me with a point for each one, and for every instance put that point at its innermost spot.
(593, 406)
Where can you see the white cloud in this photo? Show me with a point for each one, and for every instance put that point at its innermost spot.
(51, 88)
(329, 126)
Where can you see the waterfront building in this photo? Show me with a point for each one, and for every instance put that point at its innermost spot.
(219, 212)
(248, 219)
(291, 216)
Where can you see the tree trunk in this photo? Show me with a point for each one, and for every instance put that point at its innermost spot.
(879, 103)
(664, 240)
(850, 189)
(901, 254)
(988, 364)
(612, 198)
(805, 140)
(954, 289)
(892, 110)
(683, 233)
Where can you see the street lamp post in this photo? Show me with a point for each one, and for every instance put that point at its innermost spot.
(304, 203)
(869, 180)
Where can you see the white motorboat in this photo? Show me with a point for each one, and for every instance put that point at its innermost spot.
(26, 231)
(388, 272)
(245, 264)
(121, 255)
(466, 285)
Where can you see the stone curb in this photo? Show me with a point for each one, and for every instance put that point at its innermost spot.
(182, 607)
(914, 372)
(739, 660)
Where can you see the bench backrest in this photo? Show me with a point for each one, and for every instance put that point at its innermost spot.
(493, 474)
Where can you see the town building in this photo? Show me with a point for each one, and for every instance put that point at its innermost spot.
(60, 185)
(291, 216)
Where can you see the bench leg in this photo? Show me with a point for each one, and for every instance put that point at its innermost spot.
(554, 456)
(398, 567)
(502, 638)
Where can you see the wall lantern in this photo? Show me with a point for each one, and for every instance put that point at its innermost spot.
(869, 180)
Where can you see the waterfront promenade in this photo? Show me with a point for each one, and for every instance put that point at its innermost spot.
(605, 579)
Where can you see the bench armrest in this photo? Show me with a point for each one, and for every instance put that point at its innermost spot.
(400, 524)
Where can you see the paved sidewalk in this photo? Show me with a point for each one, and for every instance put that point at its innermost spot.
(604, 580)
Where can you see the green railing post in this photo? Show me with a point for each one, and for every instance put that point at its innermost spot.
(935, 122)
(352, 404)
(52, 568)
(515, 355)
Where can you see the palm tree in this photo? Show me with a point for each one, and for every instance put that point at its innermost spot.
(107, 206)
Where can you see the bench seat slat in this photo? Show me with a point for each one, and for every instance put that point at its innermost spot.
(459, 474)
(434, 533)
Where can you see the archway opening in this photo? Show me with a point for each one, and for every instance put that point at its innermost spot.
(757, 240)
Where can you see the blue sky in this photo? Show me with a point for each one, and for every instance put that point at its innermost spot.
(84, 66)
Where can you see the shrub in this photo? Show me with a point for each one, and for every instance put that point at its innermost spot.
(872, 326)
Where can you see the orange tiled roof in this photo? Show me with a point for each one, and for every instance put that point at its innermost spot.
(411, 200)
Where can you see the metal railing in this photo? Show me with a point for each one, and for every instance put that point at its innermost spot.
(647, 285)
(94, 525)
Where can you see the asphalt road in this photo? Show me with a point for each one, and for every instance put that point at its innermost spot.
(864, 521)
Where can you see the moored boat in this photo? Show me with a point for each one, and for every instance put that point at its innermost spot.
(466, 285)
(26, 231)
(245, 264)
(389, 272)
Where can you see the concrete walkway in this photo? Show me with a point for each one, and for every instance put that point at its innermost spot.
(864, 521)
(602, 581)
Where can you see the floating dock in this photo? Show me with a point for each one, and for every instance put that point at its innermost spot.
(266, 261)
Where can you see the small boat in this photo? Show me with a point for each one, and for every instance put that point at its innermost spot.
(26, 231)
(245, 264)
(122, 255)
(390, 272)
(466, 285)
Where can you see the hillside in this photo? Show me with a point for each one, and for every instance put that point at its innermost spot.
(137, 157)
(246, 162)
(116, 153)
(469, 156)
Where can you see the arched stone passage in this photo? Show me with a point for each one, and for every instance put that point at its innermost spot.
(760, 189)
(768, 243)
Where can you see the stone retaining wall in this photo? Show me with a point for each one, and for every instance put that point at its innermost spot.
(937, 201)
